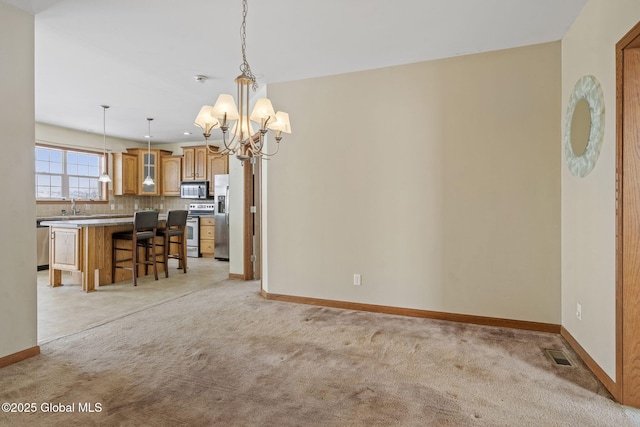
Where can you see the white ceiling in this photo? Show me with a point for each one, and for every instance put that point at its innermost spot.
(141, 56)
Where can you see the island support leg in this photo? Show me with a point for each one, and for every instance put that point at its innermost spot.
(55, 277)
(93, 259)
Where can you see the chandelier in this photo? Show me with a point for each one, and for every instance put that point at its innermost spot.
(243, 141)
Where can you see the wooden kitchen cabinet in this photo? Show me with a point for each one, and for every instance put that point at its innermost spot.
(216, 166)
(171, 167)
(125, 174)
(194, 163)
(149, 164)
(65, 249)
(207, 236)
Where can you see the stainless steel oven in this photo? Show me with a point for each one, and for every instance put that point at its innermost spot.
(203, 207)
(193, 236)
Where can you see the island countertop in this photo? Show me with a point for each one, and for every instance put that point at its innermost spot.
(94, 222)
(75, 217)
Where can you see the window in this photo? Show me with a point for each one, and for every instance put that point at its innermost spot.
(65, 174)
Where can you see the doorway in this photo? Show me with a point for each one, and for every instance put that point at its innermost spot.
(628, 218)
(252, 219)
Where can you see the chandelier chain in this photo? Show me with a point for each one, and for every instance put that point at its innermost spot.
(245, 67)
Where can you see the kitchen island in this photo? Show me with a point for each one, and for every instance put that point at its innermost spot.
(42, 232)
(84, 246)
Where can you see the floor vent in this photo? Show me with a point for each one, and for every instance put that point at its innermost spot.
(559, 357)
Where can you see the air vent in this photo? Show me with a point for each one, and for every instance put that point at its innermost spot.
(559, 357)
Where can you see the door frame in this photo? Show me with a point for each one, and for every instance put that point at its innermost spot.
(252, 230)
(625, 275)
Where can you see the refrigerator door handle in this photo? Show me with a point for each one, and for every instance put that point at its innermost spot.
(226, 206)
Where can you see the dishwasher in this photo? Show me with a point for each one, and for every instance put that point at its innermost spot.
(42, 243)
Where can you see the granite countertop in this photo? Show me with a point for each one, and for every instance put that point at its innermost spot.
(80, 216)
(92, 221)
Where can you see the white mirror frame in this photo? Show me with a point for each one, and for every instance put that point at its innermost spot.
(589, 89)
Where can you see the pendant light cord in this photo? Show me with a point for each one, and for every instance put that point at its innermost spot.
(104, 128)
(105, 176)
(149, 149)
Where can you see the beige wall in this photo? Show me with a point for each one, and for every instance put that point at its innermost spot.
(588, 204)
(18, 325)
(55, 135)
(439, 182)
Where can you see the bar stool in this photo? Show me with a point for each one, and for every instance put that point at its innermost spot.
(145, 225)
(175, 227)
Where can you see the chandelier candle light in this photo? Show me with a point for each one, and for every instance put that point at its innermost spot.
(105, 176)
(149, 180)
(244, 142)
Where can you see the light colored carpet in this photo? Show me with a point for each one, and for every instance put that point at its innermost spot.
(225, 356)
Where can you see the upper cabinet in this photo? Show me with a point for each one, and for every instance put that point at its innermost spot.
(171, 175)
(216, 166)
(132, 167)
(125, 174)
(148, 165)
(194, 163)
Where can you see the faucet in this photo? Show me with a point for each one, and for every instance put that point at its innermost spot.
(74, 211)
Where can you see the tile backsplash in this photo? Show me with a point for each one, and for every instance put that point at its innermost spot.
(116, 205)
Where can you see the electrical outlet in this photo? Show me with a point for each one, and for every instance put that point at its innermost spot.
(113, 207)
(357, 279)
(579, 311)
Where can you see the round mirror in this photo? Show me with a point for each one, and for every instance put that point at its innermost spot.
(580, 127)
(584, 126)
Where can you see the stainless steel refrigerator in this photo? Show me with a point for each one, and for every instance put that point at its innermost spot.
(221, 194)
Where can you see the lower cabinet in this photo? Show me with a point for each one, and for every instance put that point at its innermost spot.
(64, 251)
(207, 234)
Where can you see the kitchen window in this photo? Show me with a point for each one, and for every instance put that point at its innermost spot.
(63, 174)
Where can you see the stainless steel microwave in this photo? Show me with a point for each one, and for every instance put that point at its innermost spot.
(194, 189)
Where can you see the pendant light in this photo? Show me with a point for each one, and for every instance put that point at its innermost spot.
(148, 180)
(105, 176)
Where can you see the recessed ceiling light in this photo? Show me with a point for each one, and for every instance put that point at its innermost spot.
(187, 133)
